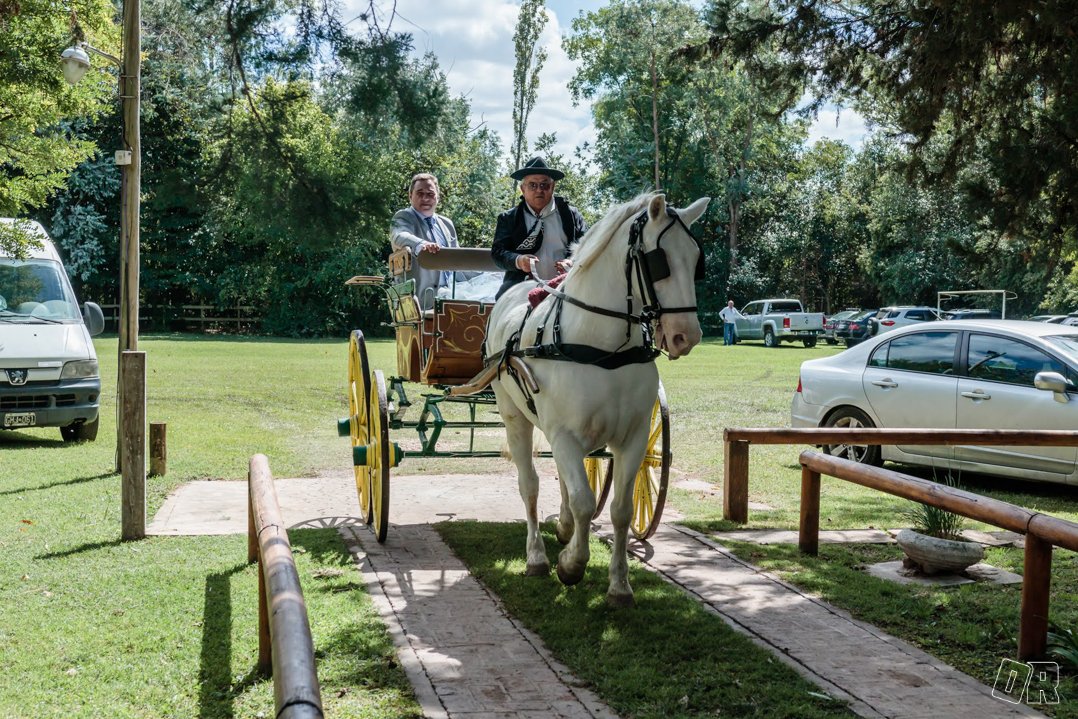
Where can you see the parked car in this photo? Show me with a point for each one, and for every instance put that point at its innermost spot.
(857, 328)
(972, 315)
(48, 366)
(832, 322)
(1054, 319)
(777, 321)
(891, 318)
(994, 374)
(1070, 320)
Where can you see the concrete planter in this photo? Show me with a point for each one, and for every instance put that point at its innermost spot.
(938, 556)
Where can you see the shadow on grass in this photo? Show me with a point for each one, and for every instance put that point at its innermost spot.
(217, 692)
(65, 483)
(88, 547)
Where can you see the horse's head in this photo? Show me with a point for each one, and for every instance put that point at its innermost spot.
(672, 261)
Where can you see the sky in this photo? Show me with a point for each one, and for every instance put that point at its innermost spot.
(473, 41)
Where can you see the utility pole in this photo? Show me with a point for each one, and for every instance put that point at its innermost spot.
(130, 187)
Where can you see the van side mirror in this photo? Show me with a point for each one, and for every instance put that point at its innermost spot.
(1054, 382)
(94, 318)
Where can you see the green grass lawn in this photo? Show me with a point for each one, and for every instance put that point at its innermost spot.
(91, 626)
(167, 627)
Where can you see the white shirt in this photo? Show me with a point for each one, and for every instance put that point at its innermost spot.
(729, 314)
(553, 247)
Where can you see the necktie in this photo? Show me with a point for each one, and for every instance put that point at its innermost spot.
(438, 238)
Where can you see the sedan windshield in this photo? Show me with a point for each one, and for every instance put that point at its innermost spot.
(1066, 343)
(35, 291)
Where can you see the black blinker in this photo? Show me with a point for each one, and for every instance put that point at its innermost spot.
(656, 265)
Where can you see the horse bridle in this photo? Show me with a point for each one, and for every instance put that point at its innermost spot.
(650, 267)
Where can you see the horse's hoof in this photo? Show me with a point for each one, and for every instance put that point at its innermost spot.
(563, 535)
(620, 601)
(537, 570)
(569, 578)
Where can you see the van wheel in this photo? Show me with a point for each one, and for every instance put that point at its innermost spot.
(853, 418)
(769, 338)
(84, 432)
(810, 343)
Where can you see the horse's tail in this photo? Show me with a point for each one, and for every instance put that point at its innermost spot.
(539, 444)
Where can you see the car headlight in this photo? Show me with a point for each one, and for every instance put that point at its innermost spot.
(80, 369)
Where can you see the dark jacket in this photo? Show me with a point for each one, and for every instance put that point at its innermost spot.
(512, 230)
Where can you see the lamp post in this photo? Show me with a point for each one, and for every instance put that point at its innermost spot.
(76, 62)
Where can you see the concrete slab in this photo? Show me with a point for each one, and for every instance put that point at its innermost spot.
(783, 536)
(980, 572)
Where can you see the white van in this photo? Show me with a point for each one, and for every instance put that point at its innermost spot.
(48, 366)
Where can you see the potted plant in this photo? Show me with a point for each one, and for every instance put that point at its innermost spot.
(934, 543)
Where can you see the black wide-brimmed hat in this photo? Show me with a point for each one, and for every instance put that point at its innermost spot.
(537, 166)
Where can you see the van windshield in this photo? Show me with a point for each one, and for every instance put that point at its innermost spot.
(35, 291)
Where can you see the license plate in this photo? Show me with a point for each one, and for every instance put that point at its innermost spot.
(20, 419)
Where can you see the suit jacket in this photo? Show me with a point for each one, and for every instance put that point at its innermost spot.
(512, 230)
(408, 229)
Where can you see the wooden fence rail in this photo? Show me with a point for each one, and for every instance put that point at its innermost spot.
(737, 441)
(1042, 531)
(284, 634)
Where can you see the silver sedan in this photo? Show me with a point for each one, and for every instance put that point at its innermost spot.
(975, 374)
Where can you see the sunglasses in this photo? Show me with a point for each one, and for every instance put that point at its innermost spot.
(533, 186)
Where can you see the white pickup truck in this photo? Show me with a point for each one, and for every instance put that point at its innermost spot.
(775, 321)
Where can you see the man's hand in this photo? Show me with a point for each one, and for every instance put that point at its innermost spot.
(563, 265)
(524, 262)
(432, 247)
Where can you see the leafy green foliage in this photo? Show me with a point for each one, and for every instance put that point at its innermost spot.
(37, 150)
(530, 58)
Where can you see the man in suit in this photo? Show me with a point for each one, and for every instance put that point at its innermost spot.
(541, 227)
(420, 229)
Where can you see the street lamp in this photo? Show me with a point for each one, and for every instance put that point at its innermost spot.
(76, 61)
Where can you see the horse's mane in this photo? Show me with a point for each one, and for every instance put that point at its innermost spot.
(598, 236)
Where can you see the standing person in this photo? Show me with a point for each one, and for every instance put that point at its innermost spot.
(420, 229)
(541, 227)
(729, 315)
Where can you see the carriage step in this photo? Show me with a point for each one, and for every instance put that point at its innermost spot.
(360, 453)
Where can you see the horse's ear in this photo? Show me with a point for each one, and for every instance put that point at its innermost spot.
(692, 213)
(657, 207)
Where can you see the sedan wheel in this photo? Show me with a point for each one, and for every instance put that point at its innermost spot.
(853, 418)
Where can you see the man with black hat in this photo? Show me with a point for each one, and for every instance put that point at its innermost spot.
(540, 228)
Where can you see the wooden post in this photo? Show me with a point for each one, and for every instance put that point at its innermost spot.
(735, 484)
(809, 537)
(133, 445)
(1036, 581)
(158, 449)
(130, 190)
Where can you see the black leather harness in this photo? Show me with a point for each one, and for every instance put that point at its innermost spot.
(650, 267)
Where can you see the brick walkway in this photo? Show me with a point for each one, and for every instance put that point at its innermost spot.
(467, 658)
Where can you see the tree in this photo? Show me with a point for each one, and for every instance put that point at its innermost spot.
(37, 145)
(530, 60)
(637, 87)
(985, 94)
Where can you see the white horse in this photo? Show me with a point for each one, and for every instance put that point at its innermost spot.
(583, 405)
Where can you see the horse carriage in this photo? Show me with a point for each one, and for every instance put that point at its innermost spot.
(441, 349)
(577, 363)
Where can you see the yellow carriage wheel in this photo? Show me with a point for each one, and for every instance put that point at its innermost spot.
(380, 456)
(649, 490)
(359, 391)
(599, 470)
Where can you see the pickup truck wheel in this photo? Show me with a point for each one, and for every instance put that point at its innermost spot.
(810, 343)
(853, 418)
(85, 432)
(769, 338)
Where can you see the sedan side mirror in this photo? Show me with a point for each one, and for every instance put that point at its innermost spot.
(94, 318)
(1056, 383)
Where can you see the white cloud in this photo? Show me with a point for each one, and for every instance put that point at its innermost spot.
(473, 41)
(839, 123)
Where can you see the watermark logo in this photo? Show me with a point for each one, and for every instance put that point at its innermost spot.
(1030, 682)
